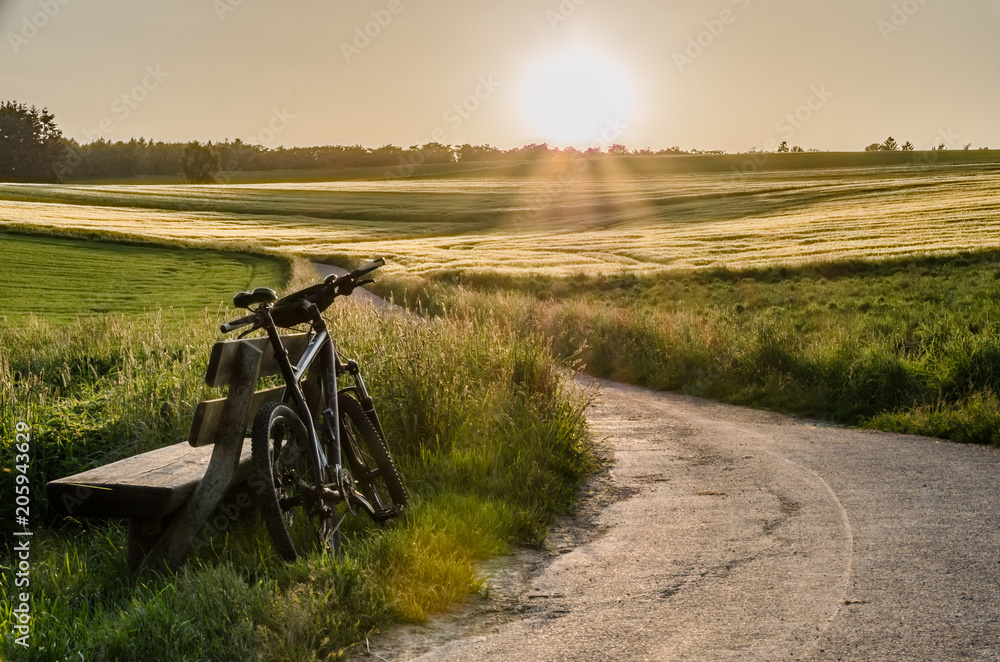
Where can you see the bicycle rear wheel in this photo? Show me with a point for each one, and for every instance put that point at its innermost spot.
(368, 457)
(291, 506)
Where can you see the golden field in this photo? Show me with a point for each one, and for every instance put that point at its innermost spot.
(556, 222)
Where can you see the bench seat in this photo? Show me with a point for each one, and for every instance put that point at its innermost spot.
(146, 486)
(167, 495)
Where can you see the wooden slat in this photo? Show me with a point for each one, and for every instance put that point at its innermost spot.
(220, 364)
(145, 486)
(208, 414)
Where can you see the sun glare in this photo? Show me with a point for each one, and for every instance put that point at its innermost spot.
(573, 97)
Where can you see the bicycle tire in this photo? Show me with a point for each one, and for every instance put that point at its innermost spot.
(289, 505)
(371, 465)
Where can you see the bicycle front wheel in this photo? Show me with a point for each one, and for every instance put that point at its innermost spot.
(291, 505)
(368, 456)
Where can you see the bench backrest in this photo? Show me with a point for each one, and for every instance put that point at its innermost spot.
(222, 366)
(223, 358)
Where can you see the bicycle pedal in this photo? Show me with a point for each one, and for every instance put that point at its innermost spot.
(388, 513)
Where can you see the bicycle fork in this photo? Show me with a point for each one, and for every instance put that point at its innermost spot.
(367, 404)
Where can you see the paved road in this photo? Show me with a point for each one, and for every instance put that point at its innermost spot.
(742, 535)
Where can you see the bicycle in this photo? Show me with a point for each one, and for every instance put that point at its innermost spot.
(303, 471)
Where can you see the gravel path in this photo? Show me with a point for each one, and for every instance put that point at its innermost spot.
(723, 533)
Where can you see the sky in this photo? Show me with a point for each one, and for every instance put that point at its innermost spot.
(717, 74)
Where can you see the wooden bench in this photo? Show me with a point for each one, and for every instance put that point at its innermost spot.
(167, 495)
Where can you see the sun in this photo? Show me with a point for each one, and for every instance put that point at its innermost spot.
(573, 96)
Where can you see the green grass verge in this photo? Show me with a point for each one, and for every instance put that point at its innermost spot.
(632, 165)
(905, 345)
(487, 435)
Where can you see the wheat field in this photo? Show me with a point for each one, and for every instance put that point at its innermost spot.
(556, 222)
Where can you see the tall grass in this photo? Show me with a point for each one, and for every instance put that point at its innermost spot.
(905, 345)
(488, 437)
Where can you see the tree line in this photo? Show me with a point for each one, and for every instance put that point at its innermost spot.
(890, 145)
(33, 149)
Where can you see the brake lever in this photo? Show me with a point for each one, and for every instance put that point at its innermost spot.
(364, 282)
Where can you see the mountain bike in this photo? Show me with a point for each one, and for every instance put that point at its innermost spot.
(321, 445)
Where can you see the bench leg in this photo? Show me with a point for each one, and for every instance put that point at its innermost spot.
(245, 497)
(171, 549)
(142, 536)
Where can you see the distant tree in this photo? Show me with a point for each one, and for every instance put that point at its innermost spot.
(467, 153)
(30, 143)
(939, 147)
(386, 155)
(532, 152)
(890, 145)
(967, 146)
(618, 150)
(238, 155)
(433, 152)
(797, 149)
(783, 147)
(907, 146)
(874, 147)
(200, 164)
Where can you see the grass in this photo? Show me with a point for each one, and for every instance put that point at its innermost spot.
(488, 438)
(58, 278)
(634, 166)
(907, 345)
(848, 293)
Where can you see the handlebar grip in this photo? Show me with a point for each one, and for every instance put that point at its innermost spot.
(236, 324)
(367, 268)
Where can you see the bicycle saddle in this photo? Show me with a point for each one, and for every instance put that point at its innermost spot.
(260, 295)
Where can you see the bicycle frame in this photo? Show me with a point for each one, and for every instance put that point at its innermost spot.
(322, 346)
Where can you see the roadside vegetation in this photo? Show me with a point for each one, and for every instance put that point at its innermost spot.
(908, 345)
(489, 438)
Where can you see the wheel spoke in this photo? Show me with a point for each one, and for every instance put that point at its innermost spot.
(376, 476)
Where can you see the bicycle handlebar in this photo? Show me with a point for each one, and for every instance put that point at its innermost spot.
(363, 270)
(367, 268)
(289, 310)
(236, 324)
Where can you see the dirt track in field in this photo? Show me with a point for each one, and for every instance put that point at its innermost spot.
(721, 533)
